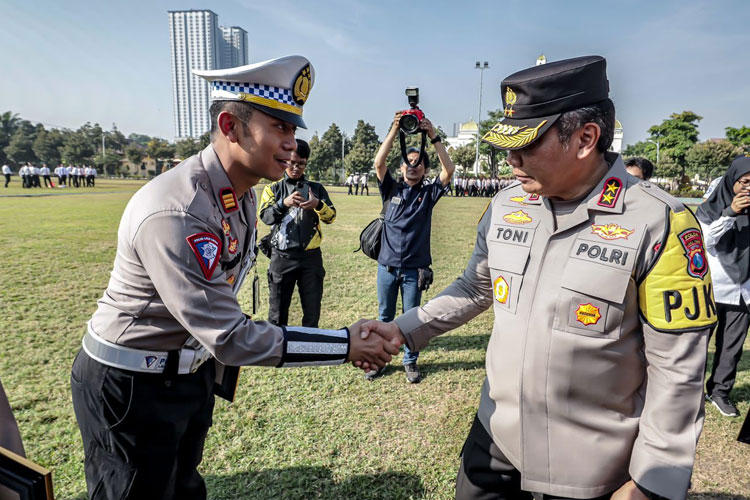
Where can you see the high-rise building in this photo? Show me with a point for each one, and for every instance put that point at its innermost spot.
(198, 42)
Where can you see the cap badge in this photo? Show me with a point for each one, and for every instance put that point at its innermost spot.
(610, 192)
(519, 217)
(611, 231)
(510, 136)
(302, 84)
(500, 288)
(588, 314)
(510, 100)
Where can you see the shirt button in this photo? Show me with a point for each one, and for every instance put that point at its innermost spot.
(203, 186)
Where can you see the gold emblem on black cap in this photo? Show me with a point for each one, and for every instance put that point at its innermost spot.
(510, 100)
(302, 84)
(510, 136)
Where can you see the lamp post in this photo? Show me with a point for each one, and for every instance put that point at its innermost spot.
(479, 118)
(343, 142)
(657, 148)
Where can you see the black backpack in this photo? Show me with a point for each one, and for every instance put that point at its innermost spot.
(371, 235)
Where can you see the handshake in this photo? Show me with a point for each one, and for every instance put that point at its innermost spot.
(372, 344)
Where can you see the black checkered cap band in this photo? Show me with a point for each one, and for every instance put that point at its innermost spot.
(314, 347)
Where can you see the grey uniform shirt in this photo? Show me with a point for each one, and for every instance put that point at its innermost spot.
(596, 358)
(184, 244)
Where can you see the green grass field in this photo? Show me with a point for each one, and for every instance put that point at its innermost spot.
(293, 433)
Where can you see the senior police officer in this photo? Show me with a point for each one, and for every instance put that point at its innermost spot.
(603, 306)
(143, 384)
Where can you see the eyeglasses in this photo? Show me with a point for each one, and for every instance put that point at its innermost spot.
(744, 182)
(298, 164)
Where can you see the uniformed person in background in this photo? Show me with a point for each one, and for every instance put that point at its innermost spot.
(295, 207)
(603, 306)
(143, 384)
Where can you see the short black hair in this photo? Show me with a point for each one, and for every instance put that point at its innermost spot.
(241, 110)
(303, 149)
(412, 149)
(645, 165)
(602, 113)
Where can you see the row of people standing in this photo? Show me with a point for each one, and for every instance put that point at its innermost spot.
(357, 183)
(477, 186)
(30, 176)
(73, 176)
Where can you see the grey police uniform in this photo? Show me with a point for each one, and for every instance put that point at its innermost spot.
(602, 317)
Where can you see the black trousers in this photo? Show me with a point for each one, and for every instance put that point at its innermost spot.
(7, 179)
(731, 331)
(307, 273)
(142, 433)
(47, 181)
(486, 474)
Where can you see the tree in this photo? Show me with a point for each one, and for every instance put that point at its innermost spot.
(77, 148)
(20, 148)
(676, 135)
(48, 145)
(8, 123)
(495, 156)
(464, 156)
(139, 139)
(326, 153)
(159, 150)
(643, 149)
(739, 137)
(711, 158)
(187, 148)
(364, 145)
(204, 140)
(135, 153)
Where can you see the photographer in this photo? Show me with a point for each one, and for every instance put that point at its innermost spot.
(726, 228)
(294, 207)
(404, 260)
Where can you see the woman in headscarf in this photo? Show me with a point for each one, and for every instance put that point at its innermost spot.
(725, 223)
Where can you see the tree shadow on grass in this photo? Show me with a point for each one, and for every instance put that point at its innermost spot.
(313, 482)
(461, 342)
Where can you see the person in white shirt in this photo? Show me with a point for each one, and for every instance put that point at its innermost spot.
(348, 182)
(44, 172)
(725, 224)
(60, 173)
(7, 172)
(35, 176)
(92, 174)
(355, 181)
(23, 172)
(363, 184)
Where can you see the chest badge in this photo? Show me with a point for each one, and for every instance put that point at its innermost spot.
(692, 243)
(588, 314)
(519, 217)
(231, 279)
(501, 290)
(611, 231)
(233, 245)
(518, 199)
(225, 227)
(207, 249)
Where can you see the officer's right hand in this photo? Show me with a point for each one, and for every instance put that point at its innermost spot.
(389, 332)
(372, 351)
(293, 200)
(741, 201)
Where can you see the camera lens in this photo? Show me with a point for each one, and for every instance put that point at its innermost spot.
(409, 124)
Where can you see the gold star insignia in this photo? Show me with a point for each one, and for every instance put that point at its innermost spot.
(607, 198)
(612, 187)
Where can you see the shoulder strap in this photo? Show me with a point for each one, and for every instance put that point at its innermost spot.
(388, 198)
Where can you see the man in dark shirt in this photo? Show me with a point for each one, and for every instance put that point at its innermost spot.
(294, 206)
(405, 246)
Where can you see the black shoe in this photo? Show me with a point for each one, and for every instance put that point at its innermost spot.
(412, 373)
(373, 374)
(724, 405)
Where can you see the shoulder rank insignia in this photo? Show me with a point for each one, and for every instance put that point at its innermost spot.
(588, 314)
(677, 294)
(611, 231)
(225, 227)
(610, 193)
(519, 217)
(500, 288)
(228, 199)
(207, 248)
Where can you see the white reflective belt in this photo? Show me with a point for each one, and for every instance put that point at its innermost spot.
(140, 360)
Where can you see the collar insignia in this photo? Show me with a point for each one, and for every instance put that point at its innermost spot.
(588, 314)
(610, 193)
(611, 231)
(501, 290)
(207, 248)
(228, 199)
(510, 100)
(692, 243)
(519, 217)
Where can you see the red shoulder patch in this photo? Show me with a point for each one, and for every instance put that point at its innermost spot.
(207, 247)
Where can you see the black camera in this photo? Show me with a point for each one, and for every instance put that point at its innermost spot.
(411, 118)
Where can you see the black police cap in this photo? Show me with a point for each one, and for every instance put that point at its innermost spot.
(534, 98)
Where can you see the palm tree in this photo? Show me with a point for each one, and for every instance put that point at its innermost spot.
(8, 123)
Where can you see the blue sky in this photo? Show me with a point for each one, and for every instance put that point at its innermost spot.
(65, 63)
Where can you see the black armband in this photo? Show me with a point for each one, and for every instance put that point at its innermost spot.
(436, 139)
(314, 347)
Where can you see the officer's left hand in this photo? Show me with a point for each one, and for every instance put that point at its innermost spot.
(629, 491)
(311, 203)
(426, 125)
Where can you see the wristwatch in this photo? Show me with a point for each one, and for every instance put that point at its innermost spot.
(436, 139)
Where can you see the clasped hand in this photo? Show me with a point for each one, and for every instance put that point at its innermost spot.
(370, 352)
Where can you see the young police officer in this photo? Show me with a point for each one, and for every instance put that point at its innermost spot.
(143, 383)
(603, 306)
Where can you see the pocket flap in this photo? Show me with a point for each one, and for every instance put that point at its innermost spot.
(596, 280)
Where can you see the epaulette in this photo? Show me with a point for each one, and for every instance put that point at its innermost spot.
(509, 186)
(674, 204)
